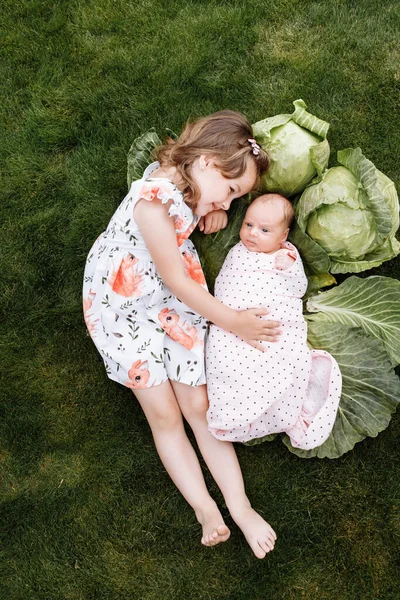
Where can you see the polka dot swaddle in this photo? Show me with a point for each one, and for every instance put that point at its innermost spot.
(288, 388)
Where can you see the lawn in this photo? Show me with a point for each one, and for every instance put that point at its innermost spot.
(87, 510)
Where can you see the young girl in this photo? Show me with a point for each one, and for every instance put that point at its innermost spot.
(146, 306)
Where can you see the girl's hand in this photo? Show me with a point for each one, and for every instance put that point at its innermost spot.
(253, 330)
(214, 221)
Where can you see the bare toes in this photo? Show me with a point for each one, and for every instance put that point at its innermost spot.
(214, 529)
(223, 530)
(265, 546)
(270, 541)
(220, 534)
(259, 552)
(259, 534)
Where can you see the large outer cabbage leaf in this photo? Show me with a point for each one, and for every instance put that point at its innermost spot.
(370, 387)
(297, 147)
(386, 218)
(372, 304)
(139, 155)
(351, 215)
(315, 257)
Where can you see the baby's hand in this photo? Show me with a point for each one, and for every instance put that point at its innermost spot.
(252, 329)
(284, 259)
(214, 221)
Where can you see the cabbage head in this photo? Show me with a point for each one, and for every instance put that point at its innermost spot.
(297, 147)
(346, 223)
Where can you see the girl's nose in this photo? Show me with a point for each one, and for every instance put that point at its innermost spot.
(225, 205)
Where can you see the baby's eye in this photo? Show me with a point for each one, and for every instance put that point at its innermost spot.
(264, 230)
(248, 224)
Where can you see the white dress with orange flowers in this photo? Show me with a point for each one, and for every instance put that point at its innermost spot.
(144, 334)
(288, 388)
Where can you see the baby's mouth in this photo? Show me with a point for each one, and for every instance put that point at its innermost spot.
(250, 244)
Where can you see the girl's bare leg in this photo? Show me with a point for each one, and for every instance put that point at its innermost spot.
(222, 461)
(179, 458)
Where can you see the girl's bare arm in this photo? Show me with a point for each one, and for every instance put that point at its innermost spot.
(157, 229)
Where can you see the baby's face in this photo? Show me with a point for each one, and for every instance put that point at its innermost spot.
(264, 227)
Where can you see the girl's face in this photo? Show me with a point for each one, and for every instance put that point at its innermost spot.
(216, 190)
(264, 227)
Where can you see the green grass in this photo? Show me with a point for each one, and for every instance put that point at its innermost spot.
(88, 512)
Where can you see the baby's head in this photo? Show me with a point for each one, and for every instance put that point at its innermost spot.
(266, 223)
(214, 160)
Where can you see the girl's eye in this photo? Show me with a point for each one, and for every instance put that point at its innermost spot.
(231, 190)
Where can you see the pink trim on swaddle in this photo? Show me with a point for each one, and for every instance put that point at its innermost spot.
(318, 411)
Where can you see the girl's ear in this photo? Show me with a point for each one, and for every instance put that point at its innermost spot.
(203, 161)
(206, 160)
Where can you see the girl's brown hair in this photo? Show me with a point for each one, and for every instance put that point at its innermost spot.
(223, 135)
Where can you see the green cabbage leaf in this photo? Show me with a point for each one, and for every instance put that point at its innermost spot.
(372, 304)
(349, 218)
(297, 148)
(139, 155)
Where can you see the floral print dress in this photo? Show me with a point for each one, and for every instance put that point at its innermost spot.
(144, 334)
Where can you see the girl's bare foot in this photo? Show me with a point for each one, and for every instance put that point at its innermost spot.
(259, 534)
(214, 529)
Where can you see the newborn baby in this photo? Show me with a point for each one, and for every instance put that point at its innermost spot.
(287, 388)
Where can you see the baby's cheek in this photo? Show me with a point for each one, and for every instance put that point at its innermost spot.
(242, 235)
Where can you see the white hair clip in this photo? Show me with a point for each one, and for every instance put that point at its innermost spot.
(255, 146)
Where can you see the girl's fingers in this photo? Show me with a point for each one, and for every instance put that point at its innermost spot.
(268, 325)
(201, 224)
(259, 312)
(208, 227)
(214, 222)
(256, 345)
(265, 324)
